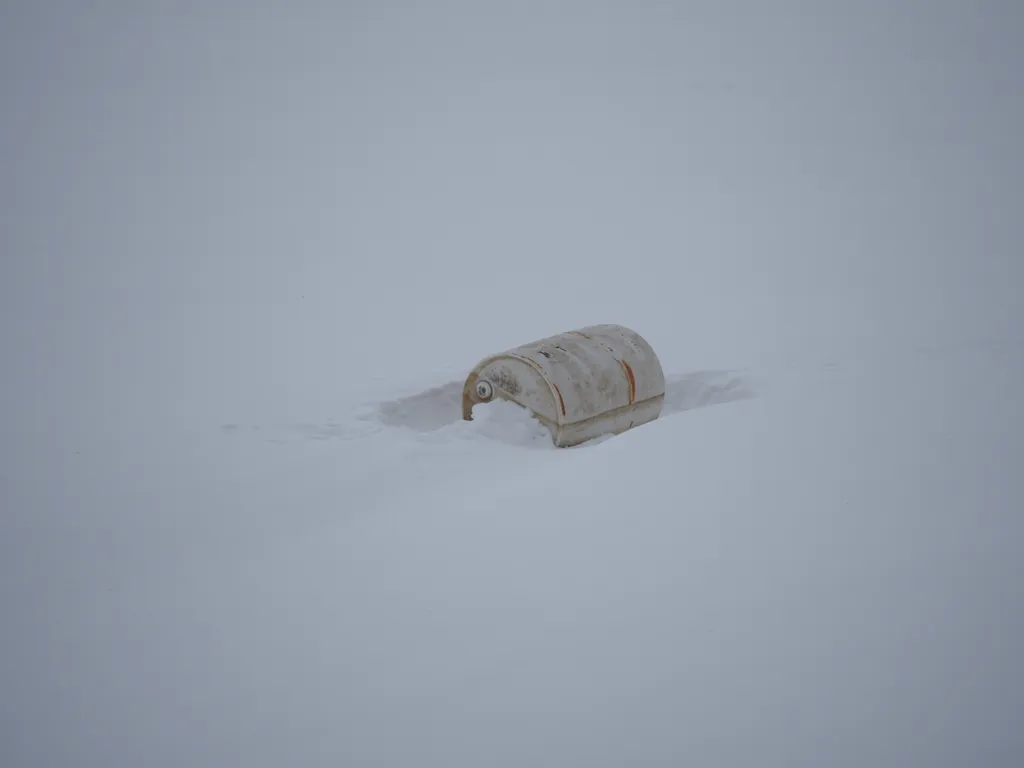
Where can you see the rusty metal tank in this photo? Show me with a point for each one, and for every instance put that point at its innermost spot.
(594, 381)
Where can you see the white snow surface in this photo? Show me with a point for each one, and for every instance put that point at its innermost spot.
(249, 256)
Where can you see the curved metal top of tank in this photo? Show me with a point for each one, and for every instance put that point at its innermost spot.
(589, 371)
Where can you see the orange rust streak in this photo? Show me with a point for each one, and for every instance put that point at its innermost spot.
(632, 380)
(560, 400)
(580, 333)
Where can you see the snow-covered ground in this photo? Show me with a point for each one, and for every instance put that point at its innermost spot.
(247, 258)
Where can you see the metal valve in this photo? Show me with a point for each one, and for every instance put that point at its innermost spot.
(484, 390)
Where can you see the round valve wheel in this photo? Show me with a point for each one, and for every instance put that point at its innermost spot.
(484, 390)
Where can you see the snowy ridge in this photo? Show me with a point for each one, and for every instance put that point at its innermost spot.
(439, 409)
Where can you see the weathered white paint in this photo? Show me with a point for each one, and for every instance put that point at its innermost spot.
(602, 379)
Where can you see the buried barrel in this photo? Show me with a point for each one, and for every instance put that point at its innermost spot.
(594, 381)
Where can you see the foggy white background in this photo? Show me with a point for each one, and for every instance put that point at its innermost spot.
(217, 213)
(212, 209)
